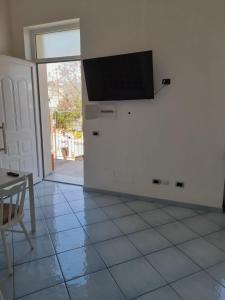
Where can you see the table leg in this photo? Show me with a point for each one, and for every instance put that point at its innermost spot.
(32, 206)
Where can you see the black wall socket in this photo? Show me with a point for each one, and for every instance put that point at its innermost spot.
(156, 181)
(95, 133)
(179, 184)
(166, 81)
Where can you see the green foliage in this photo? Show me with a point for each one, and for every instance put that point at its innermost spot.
(66, 120)
(64, 85)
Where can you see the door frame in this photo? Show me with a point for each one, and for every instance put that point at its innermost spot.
(43, 114)
(32, 66)
(30, 53)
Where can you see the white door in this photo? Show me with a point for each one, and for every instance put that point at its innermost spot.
(18, 105)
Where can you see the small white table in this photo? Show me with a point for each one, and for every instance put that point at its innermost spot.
(6, 181)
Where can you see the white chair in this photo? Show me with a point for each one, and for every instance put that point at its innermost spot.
(1, 296)
(11, 213)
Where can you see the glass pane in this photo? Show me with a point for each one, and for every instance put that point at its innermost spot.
(58, 44)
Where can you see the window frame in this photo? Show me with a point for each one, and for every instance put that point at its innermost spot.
(52, 29)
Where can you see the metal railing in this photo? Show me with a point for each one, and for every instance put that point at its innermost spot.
(74, 145)
(70, 138)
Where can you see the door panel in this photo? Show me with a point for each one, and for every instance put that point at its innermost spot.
(8, 103)
(24, 105)
(17, 111)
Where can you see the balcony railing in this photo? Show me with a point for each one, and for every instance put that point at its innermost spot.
(67, 139)
(66, 133)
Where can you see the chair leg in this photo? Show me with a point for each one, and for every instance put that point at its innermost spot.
(26, 235)
(6, 250)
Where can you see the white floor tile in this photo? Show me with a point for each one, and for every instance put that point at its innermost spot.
(157, 217)
(62, 223)
(42, 248)
(218, 273)
(131, 224)
(107, 200)
(217, 239)
(136, 277)
(6, 285)
(142, 206)
(51, 199)
(117, 250)
(177, 232)
(202, 252)
(179, 213)
(91, 216)
(79, 262)
(165, 293)
(56, 210)
(70, 239)
(102, 231)
(96, 286)
(172, 264)
(199, 286)
(36, 275)
(148, 241)
(201, 225)
(118, 210)
(58, 292)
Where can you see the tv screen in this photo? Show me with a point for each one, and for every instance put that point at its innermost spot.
(120, 77)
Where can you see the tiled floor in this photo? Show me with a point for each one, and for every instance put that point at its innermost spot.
(101, 247)
(68, 171)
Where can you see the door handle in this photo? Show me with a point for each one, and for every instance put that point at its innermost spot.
(2, 127)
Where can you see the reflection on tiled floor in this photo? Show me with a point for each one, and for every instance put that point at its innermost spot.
(102, 247)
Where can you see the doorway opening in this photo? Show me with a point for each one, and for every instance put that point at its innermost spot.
(66, 124)
(56, 49)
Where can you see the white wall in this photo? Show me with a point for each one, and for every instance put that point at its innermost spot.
(45, 119)
(181, 135)
(5, 35)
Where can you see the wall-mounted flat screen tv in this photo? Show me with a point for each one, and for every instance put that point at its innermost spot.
(120, 77)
